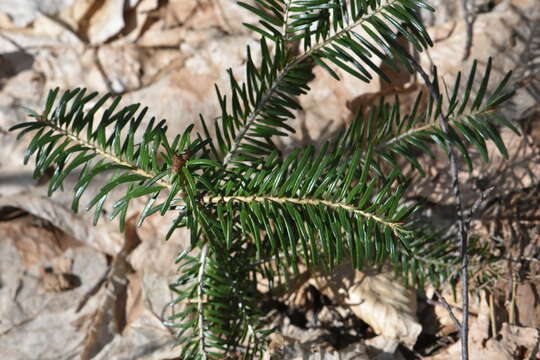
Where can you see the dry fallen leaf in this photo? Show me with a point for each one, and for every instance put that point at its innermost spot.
(511, 343)
(158, 35)
(182, 9)
(106, 21)
(377, 298)
(36, 324)
(111, 317)
(36, 245)
(64, 219)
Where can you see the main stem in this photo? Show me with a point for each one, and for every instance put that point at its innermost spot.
(463, 239)
(201, 300)
(468, 18)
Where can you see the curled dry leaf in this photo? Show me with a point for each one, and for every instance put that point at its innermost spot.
(378, 299)
(36, 244)
(386, 305)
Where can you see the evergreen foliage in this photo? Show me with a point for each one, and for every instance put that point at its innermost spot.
(253, 213)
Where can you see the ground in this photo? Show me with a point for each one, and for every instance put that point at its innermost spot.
(71, 290)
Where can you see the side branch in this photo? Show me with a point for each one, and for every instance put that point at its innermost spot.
(281, 75)
(107, 155)
(251, 119)
(396, 227)
(433, 124)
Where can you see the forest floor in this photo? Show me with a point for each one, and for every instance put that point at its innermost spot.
(66, 290)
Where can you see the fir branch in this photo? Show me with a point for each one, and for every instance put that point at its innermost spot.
(253, 116)
(314, 53)
(469, 125)
(395, 226)
(425, 127)
(109, 155)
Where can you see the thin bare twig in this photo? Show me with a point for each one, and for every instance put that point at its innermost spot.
(454, 308)
(492, 315)
(468, 17)
(476, 206)
(463, 239)
(201, 298)
(448, 308)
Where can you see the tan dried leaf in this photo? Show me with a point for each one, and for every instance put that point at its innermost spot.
(106, 22)
(377, 298)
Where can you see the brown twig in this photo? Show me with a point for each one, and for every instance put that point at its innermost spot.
(463, 238)
(469, 28)
(448, 308)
